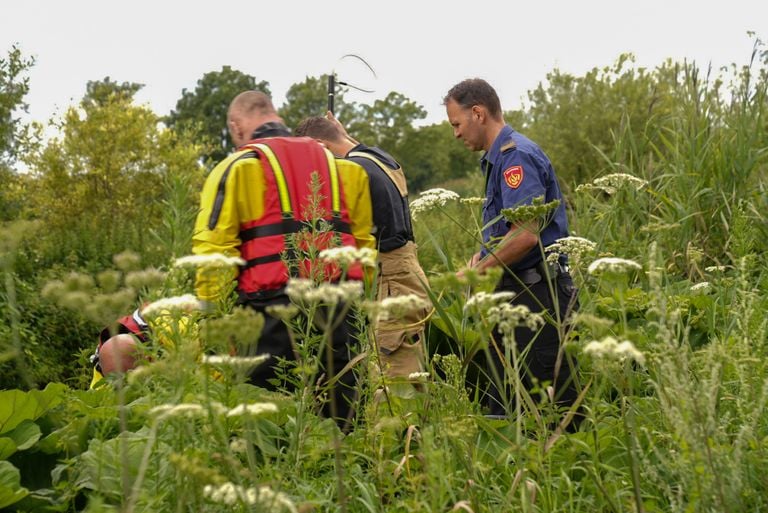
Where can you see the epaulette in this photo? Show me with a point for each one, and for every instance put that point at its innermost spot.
(511, 145)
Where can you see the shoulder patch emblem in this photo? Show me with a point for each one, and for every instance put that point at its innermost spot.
(514, 176)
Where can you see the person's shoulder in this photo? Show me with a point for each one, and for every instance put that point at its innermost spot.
(349, 167)
(376, 153)
(236, 158)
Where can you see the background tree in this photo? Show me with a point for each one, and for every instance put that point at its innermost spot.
(98, 188)
(203, 111)
(577, 120)
(100, 92)
(310, 98)
(14, 85)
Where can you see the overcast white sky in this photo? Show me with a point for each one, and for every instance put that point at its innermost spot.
(418, 48)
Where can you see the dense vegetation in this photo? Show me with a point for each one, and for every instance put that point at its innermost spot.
(665, 171)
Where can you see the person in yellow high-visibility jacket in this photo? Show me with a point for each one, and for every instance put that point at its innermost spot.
(258, 198)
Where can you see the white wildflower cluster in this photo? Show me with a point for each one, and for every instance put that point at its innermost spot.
(431, 198)
(188, 410)
(508, 317)
(619, 180)
(418, 376)
(238, 445)
(474, 201)
(253, 409)
(716, 268)
(307, 291)
(348, 255)
(283, 312)
(212, 260)
(230, 494)
(701, 287)
(169, 305)
(611, 348)
(395, 307)
(575, 247)
(480, 302)
(237, 362)
(613, 266)
(147, 278)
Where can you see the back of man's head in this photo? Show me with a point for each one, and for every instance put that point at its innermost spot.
(249, 103)
(319, 128)
(248, 111)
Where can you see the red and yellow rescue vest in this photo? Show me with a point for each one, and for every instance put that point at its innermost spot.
(288, 164)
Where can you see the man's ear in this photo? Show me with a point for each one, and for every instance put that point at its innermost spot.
(479, 113)
(233, 131)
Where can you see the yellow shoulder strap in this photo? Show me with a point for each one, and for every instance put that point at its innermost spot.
(396, 175)
(282, 186)
(335, 198)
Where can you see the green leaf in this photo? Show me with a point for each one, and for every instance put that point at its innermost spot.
(11, 490)
(104, 463)
(17, 406)
(25, 435)
(7, 447)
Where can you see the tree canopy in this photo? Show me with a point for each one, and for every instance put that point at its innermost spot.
(203, 111)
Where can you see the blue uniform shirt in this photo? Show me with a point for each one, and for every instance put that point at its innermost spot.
(515, 174)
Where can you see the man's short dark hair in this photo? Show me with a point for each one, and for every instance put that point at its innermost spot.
(475, 91)
(318, 127)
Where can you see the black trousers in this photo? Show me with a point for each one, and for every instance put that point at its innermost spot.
(540, 347)
(276, 342)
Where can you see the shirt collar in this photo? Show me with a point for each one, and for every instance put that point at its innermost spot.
(271, 129)
(492, 156)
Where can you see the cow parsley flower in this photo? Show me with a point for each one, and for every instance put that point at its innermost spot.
(480, 302)
(230, 494)
(144, 279)
(283, 312)
(253, 409)
(186, 303)
(235, 361)
(613, 266)
(211, 260)
(189, 410)
(348, 255)
(509, 317)
(238, 445)
(474, 201)
(395, 307)
(701, 287)
(610, 348)
(432, 198)
(306, 291)
(575, 247)
(619, 180)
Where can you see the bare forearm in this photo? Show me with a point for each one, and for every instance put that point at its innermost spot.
(511, 249)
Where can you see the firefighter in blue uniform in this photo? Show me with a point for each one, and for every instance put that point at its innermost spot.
(516, 172)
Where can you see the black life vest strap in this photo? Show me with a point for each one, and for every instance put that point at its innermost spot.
(266, 259)
(287, 226)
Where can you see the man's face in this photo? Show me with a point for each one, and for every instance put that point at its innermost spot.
(466, 125)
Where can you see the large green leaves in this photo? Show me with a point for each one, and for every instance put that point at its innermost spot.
(11, 490)
(17, 406)
(19, 410)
